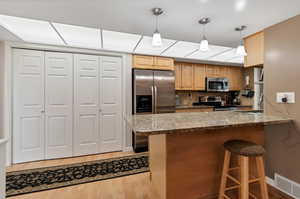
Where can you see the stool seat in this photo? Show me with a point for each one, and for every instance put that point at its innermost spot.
(244, 148)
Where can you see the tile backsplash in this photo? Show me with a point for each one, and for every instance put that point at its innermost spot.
(189, 97)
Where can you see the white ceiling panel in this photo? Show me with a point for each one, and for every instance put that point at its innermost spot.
(78, 36)
(225, 57)
(213, 51)
(238, 60)
(118, 41)
(30, 30)
(145, 46)
(181, 49)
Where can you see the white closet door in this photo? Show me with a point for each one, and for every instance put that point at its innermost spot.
(28, 106)
(59, 104)
(86, 104)
(110, 104)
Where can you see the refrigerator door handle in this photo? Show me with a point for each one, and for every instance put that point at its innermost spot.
(153, 96)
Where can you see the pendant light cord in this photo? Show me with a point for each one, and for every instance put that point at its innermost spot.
(204, 37)
(156, 23)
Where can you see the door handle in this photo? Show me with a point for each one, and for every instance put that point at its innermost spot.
(152, 93)
(155, 97)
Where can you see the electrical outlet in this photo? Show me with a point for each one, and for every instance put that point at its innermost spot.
(285, 97)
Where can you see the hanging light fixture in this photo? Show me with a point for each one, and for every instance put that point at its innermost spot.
(240, 50)
(156, 39)
(204, 46)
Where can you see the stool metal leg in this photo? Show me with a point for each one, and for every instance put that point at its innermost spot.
(226, 165)
(262, 178)
(244, 192)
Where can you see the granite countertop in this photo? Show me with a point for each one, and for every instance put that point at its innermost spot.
(191, 122)
(193, 107)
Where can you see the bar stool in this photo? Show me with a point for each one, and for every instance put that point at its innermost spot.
(243, 150)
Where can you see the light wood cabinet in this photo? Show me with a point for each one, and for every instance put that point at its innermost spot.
(212, 71)
(151, 62)
(143, 62)
(164, 63)
(187, 76)
(178, 77)
(235, 77)
(199, 77)
(254, 45)
(190, 76)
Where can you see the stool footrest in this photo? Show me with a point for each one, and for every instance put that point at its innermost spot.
(233, 168)
(252, 195)
(233, 179)
(225, 196)
(254, 180)
(232, 187)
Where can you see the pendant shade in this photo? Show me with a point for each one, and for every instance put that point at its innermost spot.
(204, 45)
(240, 51)
(156, 39)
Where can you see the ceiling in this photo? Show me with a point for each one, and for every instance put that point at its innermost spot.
(178, 24)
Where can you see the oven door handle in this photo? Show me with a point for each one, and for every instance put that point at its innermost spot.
(153, 96)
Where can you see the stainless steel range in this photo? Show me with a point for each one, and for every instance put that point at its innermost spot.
(153, 92)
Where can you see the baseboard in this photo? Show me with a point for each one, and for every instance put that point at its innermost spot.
(128, 149)
(275, 191)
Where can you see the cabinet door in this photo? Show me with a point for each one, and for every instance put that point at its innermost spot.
(58, 104)
(163, 63)
(187, 76)
(254, 45)
(86, 104)
(212, 71)
(178, 76)
(235, 78)
(199, 77)
(28, 106)
(143, 62)
(110, 104)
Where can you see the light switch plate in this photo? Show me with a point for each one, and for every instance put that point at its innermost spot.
(289, 95)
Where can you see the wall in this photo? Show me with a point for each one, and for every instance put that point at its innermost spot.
(1, 89)
(282, 73)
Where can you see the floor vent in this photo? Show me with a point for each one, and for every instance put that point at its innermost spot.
(287, 186)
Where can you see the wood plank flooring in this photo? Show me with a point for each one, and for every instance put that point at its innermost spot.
(129, 187)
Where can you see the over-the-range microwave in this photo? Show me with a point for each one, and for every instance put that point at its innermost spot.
(217, 84)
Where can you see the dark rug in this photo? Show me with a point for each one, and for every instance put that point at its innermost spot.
(33, 180)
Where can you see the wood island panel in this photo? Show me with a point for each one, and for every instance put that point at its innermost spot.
(192, 163)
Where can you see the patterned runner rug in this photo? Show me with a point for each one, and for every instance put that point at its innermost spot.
(33, 180)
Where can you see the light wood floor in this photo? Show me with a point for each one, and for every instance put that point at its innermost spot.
(63, 161)
(129, 187)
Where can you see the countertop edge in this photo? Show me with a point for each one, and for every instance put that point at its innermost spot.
(201, 129)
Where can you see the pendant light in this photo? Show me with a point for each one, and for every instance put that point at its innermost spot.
(240, 50)
(204, 46)
(156, 39)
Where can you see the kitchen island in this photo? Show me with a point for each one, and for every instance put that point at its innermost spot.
(186, 149)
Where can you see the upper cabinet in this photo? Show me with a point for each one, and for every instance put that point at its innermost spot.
(151, 62)
(254, 45)
(235, 78)
(199, 77)
(190, 76)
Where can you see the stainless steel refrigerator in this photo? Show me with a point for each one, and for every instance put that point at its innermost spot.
(153, 92)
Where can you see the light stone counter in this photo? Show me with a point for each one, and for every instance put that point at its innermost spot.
(194, 122)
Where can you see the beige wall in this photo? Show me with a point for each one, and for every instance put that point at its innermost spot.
(282, 73)
(1, 89)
